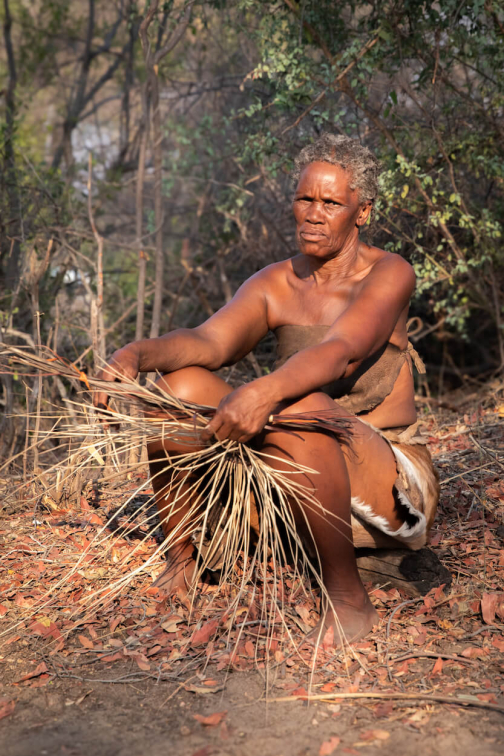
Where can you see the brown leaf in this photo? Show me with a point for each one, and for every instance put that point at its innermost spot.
(141, 660)
(170, 625)
(500, 606)
(488, 697)
(380, 594)
(6, 707)
(329, 746)
(375, 735)
(249, 648)
(304, 612)
(301, 693)
(212, 720)
(113, 657)
(384, 709)
(328, 639)
(420, 638)
(45, 627)
(488, 607)
(438, 667)
(203, 689)
(85, 641)
(203, 635)
(115, 622)
(39, 670)
(472, 653)
(498, 643)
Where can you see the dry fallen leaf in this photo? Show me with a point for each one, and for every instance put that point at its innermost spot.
(39, 670)
(329, 746)
(203, 635)
(203, 690)
(6, 707)
(328, 640)
(488, 607)
(85, 641)
(375, 735)
(212, 720)
(170, 625)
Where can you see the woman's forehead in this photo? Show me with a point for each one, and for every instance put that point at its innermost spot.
(320, 175)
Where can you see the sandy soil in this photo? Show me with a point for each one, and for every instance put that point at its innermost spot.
(145, 675)
(138, 719)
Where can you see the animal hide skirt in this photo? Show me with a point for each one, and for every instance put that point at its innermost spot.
(416, 494)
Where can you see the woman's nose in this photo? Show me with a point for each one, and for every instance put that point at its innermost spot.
(315, 214)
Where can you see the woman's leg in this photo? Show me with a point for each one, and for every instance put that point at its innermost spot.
(332, 535)
(203, 387)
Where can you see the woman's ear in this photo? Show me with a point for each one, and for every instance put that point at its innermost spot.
(364, 213)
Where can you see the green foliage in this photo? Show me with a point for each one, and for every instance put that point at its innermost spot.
(433, 85)
(420, 83)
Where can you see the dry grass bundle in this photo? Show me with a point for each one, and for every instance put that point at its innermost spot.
(224, 479)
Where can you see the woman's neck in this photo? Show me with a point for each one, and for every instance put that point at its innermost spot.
(344, 264)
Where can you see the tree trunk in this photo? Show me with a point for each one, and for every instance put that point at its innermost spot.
(11, 247)
(158, 206)
(142, 258)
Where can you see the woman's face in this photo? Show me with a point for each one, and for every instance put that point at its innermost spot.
(327, 211)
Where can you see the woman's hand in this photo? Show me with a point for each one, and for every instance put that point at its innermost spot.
(241, 414)
(122, 366)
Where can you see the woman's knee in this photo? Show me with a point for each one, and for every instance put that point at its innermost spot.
(194, 384)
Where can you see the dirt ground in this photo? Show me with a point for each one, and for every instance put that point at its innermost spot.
(145, 674)
(133, 719)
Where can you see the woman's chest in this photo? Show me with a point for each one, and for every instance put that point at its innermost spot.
(309, 305)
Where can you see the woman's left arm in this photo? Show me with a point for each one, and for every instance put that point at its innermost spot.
(366, 324)
(359, 331)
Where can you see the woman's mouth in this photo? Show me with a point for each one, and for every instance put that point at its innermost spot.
(311, 235)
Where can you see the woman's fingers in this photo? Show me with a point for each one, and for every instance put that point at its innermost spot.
(223, 429)
(123, 365)
(100, 398)
(212, 429)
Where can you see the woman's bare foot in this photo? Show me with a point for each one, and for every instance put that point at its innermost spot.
(180, 575)
(349, 622)
(180, 569)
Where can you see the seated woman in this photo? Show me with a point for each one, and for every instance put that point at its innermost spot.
(339, 310)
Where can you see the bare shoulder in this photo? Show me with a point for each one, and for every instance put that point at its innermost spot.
(391, 268)
(271, 275)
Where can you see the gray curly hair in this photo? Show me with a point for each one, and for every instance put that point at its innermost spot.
(348, 153)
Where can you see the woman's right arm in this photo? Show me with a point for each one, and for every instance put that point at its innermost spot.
(223, 339)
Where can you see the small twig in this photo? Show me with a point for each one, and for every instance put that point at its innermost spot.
(398, 608)
(466, 472)
(177, 690)
(490, 629)
(486, 451)
(39, 400)
(457, 701)
(433, 655)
